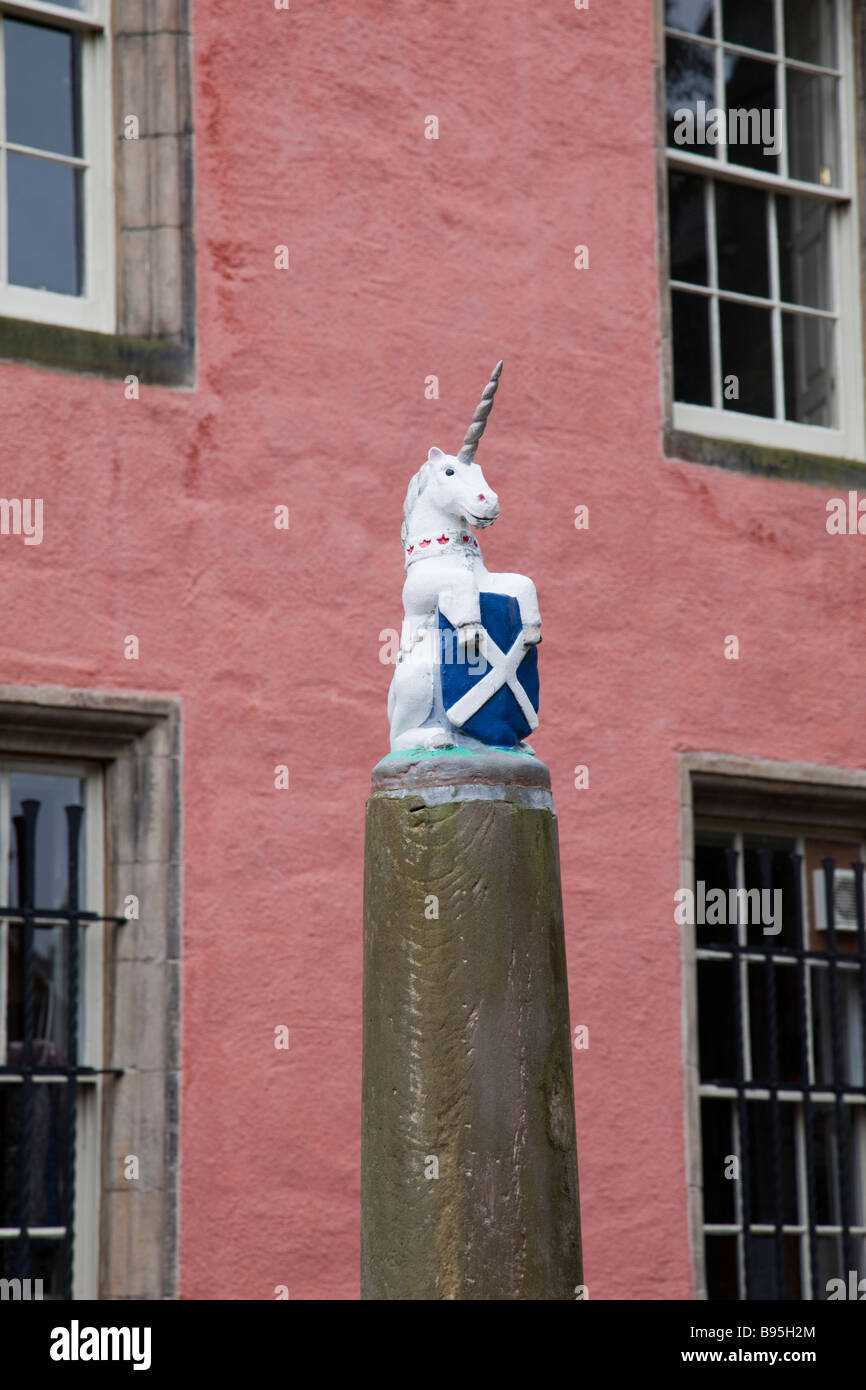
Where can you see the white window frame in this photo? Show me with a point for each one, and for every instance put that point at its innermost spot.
(88, 1157)
(95, 308)
(848, 441)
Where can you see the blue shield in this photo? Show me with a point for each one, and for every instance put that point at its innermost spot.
(493, 713)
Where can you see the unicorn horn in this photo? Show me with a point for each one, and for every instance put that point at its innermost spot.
(479, 419)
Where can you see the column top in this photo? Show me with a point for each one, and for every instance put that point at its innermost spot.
(498, 771)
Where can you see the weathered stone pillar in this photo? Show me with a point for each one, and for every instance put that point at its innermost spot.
(469, 1162)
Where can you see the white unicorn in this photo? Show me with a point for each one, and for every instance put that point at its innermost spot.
(446, 499)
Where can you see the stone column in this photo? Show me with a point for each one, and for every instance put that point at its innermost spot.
(469, 1162)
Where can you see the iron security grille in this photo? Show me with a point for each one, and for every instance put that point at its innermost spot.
(781, 1011)
(30, 1062)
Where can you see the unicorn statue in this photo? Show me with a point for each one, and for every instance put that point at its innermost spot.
(467, 669)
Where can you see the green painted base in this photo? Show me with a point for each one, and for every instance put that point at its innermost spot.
(455, 750)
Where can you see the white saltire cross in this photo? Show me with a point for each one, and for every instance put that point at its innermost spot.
(503, 671)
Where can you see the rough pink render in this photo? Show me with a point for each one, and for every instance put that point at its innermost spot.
(412, 257)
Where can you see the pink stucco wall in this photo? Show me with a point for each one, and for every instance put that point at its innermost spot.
(412, 257)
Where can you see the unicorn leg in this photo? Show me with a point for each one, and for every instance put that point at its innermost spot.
(461, 605)
(412, 691)
(410, 699)
(523, 590)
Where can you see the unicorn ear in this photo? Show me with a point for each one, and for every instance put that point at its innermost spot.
(435, 455)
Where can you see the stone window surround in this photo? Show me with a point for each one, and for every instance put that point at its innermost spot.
(755, 789)
(137, 739)
(786, 465)
(154, 337)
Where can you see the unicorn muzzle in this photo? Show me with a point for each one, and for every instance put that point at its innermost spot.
(484, 510)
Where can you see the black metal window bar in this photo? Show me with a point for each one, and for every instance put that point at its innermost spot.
(776, 1198)
(30, 917)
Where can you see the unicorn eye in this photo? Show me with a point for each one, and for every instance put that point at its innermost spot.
(449, 472)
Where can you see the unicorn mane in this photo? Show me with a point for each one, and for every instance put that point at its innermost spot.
(416, 486)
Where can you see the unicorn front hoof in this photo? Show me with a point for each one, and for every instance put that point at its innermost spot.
(531, 634)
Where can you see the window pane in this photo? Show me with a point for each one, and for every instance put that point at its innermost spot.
(716, 1022)
(47, 1153)
(788, 1014)
(8, 1155)
(813, 146)
(47, 1259)
(721, 1259)
(826, 1154)
(749, 23)
(47, 1262)
(696, 16)
(808, 346)
(691, 330)
(750, 93)
(810, 31)
(689, 80)
(688, 229)
(850, 1026)
(48, 1170)
(717, 1147)
(804, 251)
(54, 794)
(762, 1188)
(764, 1284)
(781, 881)
(51, 995)
(50, 963)
(42, 87)
(44, 224)
(747, 355)
(741, 234)
(711, 870)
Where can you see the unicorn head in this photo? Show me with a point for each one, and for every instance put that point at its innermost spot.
(451, 487)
